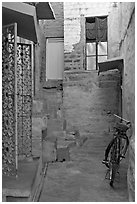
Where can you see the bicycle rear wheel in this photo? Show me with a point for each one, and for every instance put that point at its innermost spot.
(114, 160)
(113, 171)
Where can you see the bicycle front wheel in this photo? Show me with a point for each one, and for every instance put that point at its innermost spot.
(124, 146)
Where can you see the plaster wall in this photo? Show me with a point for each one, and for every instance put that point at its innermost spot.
(72, 13)
(40, 61)
(113, 31)
(127, 50)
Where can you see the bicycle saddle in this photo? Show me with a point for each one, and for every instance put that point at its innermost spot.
(121, 127)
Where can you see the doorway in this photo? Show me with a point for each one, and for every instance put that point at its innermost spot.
(96, 41)
(54, 58)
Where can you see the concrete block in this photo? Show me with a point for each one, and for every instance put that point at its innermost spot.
(16, 199)
(59, 134)
(49, 151)
(37, 106)
(63, 154)
(64, 124)
(20, 188)
(36, 147)
(65, 143)
(54, 125)
(70, 137)
(44, 134)
(39, 123)
(107, 84)
(81, 140)
(3, 197)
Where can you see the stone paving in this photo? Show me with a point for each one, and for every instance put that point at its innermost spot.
(88, 103)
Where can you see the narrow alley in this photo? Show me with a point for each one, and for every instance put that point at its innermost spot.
(67, 69)
(82, 178)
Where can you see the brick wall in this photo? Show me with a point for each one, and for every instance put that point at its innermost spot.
(127, 50)
(54, 28)
(47, 29)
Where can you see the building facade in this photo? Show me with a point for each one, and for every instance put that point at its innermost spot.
(78, 53)
(127, 50)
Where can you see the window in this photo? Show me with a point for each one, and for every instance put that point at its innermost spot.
(96, 41)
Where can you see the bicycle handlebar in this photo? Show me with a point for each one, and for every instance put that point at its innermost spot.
(122, 118)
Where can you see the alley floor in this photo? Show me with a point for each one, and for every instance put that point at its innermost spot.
(88, 102)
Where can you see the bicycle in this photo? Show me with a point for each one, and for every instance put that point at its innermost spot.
(117, 148)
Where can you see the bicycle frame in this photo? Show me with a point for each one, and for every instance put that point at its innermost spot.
(115, 149)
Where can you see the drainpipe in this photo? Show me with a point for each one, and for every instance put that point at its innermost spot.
(16, 133)
(96, 42)
(121, 87)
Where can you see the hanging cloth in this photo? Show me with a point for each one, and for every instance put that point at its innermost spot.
(91, 32)
(96, 30)
(102, 29)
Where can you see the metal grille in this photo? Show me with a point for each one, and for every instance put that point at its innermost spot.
(24, 99)
(9, 163)
(16, 100)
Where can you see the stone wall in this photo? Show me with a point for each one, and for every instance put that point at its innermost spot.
(127, 50)
(48, 29)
